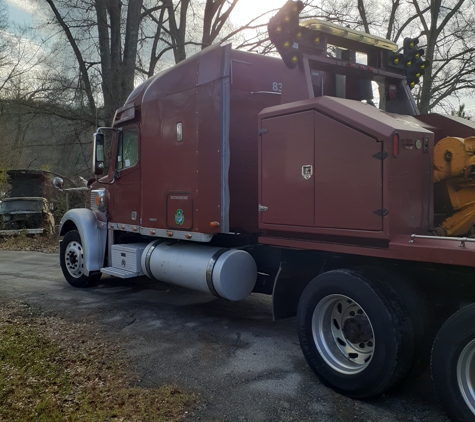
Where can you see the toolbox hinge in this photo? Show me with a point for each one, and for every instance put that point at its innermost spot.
(383, 212)
(262, 131)
(381, 155)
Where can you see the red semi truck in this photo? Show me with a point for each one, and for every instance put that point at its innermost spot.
(234, 173)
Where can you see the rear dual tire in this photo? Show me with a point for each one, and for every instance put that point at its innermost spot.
(358, 334)
(453, 365)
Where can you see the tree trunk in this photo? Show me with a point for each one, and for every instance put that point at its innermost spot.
(426, 88)
(117, 73)
(130, 47)
(177, 33)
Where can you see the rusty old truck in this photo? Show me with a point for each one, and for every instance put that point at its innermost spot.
(27, 207)
(312, 178)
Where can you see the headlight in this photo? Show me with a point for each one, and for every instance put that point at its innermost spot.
(98, 200)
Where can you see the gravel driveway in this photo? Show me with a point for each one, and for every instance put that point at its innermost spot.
(243, 366)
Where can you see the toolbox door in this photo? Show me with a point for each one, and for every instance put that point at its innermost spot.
(287, 184)
(348, 177)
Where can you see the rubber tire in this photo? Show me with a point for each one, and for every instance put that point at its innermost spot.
(454, 335)
(415, 303)
(393, 331)
(83, 280)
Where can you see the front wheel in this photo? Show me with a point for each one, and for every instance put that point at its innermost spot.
(357, 339)
(453, 365)
(71, 256)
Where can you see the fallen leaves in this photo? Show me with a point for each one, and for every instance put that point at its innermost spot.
(52, 369)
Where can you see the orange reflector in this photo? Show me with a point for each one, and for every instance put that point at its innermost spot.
(188, 236)
(169, 233)
(134, 229)
(152, 231)
(214, 224)
(122, 227)
(98, 200)
(396, 145)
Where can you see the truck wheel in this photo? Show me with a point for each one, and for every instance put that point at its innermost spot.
(71, 256)
(453, 365)
(417, 307)
(356, 339)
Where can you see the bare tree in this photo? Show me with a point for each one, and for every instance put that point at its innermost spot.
(19, 50)
(113, 50)
(96, 50)
(115, 39)
(216, 14)
(450, 46)
(3, 29)
(446, 32)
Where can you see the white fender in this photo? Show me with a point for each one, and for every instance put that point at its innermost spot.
(93, 236)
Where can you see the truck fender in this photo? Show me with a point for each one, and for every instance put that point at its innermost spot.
(93, 236)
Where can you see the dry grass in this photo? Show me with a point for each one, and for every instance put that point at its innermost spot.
(53, 370)
(24, 242)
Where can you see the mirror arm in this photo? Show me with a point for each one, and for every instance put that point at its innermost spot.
(102, 128)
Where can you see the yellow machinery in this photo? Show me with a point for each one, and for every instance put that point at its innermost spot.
(454, 167)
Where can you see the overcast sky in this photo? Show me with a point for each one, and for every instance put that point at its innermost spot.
(20, 11)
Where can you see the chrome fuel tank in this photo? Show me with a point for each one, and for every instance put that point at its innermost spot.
(226, 273)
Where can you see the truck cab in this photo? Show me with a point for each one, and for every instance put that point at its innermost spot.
(311, 177)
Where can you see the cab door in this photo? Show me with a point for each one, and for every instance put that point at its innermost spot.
(126, 187)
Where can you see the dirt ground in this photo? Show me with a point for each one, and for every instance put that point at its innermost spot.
(53, 369)
(23, 242)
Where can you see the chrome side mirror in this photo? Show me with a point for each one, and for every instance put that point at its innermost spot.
(98, 158)
(58, 183)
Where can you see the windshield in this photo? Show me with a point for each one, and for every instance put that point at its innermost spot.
(31, 205)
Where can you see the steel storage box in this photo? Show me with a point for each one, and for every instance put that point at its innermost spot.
(127, 256)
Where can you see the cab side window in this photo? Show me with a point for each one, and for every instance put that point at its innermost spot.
(127, 149)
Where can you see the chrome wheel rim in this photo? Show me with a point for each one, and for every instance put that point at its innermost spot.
(74, 259)
(466, 374)
(343, 334)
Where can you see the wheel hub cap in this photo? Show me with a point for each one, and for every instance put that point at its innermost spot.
(466, 374)
(357, 329)
(343, 334)
(73, 258)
